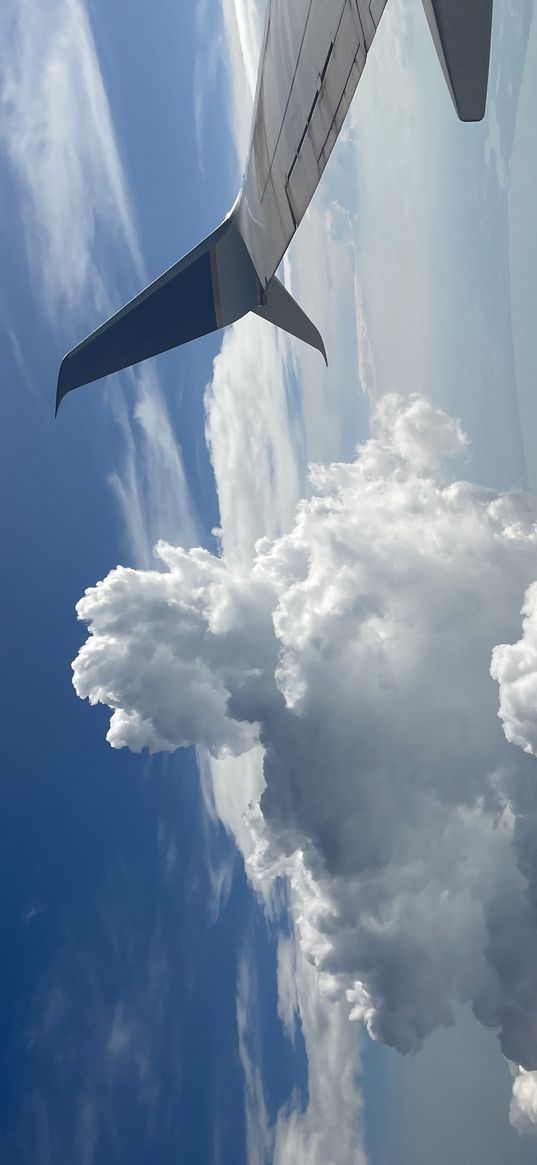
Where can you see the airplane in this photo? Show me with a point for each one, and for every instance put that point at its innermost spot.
(313, 55)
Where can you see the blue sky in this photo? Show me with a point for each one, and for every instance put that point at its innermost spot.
(167, 987)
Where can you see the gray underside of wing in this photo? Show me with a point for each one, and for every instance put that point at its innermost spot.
(461, 31)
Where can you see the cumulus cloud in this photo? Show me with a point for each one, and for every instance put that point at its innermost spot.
(514, 666)
(355, 651)
(523, 1110)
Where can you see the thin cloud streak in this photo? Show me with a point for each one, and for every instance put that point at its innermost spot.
(80, 229)
(259, 1136)
(57, 130)
(328, 1126)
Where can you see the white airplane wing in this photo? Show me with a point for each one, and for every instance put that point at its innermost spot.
(313, 56)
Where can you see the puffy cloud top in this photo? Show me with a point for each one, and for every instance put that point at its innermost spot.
(356, 650)
(515, 668)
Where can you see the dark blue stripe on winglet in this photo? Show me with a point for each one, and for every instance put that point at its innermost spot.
(177, 307)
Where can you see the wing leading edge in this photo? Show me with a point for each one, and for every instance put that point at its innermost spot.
(313, 56)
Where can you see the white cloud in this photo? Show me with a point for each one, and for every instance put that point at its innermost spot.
(328, 1128)
(250, 436)
(243, 28)
(332, 399)
(58, 133)
(331, 1126)
(220, 861)
(286, 980)
(19, 359)
(356, 649)
(514, 666)
(80, 228)
(237, 782)
(523, 1110)
(259, 1138)
(151, 485)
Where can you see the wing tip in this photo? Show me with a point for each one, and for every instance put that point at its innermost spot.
(282, 310)
(62, 388)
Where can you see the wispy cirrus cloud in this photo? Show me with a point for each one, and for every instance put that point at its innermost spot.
(58, 133)
(328, 1124)
(81, 237)
(92, 1045)
(102, 1030)
(250, 435)
(150, 483)
(259, 1134)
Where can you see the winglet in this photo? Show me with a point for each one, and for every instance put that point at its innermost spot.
(214, 285)
(281, 309)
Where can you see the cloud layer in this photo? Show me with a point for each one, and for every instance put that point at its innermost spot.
(356, 650)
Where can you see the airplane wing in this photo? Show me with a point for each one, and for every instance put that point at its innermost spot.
(313, 56)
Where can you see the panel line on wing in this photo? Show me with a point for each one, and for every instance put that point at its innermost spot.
(349, 16)
(320, 83)
(285, 106)
(343, 95)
